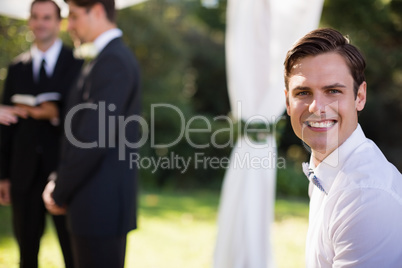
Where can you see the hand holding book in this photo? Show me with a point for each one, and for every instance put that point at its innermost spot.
(32, 100)
(40, 107)
(44, 111)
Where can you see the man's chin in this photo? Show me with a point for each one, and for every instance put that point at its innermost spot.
(321, 151)
(82, 40)
(320, 147)
(44, 38)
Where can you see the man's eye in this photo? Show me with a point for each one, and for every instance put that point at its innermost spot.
(334, 91)
(302, 93)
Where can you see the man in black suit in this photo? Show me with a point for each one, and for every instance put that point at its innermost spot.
(94, 184)
(29, 148)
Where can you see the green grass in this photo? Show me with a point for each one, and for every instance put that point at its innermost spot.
(175, 230)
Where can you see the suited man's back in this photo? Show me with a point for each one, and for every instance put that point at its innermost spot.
(96, 185)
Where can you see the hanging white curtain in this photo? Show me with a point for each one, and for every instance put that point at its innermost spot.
(19, 9)
(259, 33)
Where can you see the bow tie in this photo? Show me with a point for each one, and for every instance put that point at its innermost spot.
(313, 178)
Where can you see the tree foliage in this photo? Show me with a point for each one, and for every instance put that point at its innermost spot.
(183, 64)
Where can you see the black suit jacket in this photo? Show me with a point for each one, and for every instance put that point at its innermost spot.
(32, 144)
(98, 188)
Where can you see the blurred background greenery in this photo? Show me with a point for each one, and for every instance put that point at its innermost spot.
(181, 50)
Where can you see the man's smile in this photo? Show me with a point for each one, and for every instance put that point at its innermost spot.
(322, 125)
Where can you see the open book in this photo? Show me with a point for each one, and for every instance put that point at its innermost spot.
(31, 100)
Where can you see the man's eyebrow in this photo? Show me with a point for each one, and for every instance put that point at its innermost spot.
(336, 85)
(301, 88)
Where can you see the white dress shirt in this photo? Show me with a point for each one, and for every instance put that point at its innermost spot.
(358, 223)
(51, 55)
(102, 40)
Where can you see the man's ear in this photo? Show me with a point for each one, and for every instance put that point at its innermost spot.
(99, 10)
(287, 101)
(361, 96)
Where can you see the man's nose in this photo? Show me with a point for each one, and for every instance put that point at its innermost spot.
(317, 106)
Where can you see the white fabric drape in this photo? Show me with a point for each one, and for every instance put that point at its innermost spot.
(19, 9)
(259, 33)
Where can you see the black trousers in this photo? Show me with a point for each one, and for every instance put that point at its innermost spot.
(29, 218)
(99, 252)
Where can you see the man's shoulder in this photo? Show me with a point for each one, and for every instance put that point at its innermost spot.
(368, 158)
(366, 177)
(66, 49)
(116, 52)
(119, 49)
(66, 52)
(368, 168)
(21, 59)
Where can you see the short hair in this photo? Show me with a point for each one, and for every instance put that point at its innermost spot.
(322, 41)
(107, 4)
(58, 11)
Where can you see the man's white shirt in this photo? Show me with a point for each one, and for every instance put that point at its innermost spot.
(358, 223)
(51, 55)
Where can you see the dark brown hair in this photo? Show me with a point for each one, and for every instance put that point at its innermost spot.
(326, 40)
(58, 12)
(107, 4)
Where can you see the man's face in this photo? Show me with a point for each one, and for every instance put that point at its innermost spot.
(80, 23)
(321, 103)
(44, 22)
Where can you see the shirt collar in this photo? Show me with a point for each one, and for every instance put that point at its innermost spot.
(104, 39)
(329, 168)
(51, 55)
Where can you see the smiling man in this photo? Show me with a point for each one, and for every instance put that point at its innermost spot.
(355, 193)
(29, 146)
